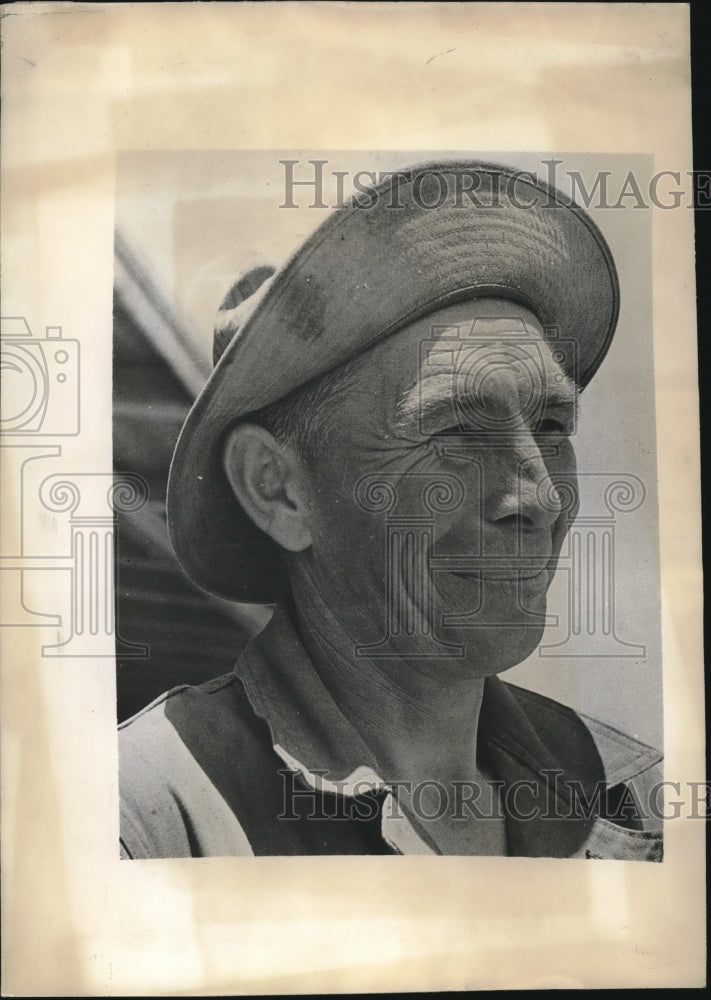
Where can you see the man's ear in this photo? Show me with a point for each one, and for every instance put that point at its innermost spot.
(269, 482)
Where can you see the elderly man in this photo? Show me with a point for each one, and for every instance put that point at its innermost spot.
(384, 452)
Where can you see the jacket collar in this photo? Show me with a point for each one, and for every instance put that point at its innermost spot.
(539, 746)
(307, 727)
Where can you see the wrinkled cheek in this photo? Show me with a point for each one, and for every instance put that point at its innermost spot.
(376, 523)
(349, 545)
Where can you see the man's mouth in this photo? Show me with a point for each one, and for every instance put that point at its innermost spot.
(504, 574)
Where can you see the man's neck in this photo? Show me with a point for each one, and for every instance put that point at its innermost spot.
(418, 716)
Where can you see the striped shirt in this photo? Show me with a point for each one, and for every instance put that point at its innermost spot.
(261, 761)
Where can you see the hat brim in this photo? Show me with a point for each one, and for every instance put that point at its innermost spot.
(365, 273)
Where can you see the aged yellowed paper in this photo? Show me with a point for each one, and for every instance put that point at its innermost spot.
(174, 125)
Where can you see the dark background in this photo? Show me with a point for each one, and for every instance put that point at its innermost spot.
(187, 636)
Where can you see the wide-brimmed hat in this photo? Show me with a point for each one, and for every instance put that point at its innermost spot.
(426, 237)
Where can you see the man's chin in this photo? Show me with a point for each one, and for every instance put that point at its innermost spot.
(498, 621)
(493, 651)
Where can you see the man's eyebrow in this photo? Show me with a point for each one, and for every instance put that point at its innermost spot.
(427, 399)
(433, 396)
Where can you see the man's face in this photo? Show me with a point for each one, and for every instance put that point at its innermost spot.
(435, 519)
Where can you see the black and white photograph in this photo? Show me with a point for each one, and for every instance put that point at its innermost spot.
(394, 460)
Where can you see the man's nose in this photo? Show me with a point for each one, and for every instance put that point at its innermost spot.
(525, 497)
